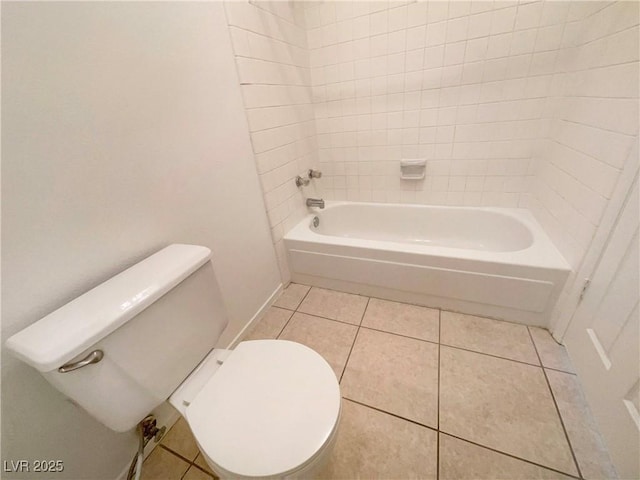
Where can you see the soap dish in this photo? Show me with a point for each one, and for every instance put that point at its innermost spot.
(412, 168)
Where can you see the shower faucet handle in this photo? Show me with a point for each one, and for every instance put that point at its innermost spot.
(302, 182)
(314, 173)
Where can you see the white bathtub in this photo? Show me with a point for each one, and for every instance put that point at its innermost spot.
(496, 262)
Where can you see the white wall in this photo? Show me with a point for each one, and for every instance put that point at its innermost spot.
(123, 131)
(270, 45)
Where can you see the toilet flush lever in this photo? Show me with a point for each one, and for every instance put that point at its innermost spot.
(93, 357)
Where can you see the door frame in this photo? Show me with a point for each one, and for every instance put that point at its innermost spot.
(567, 309)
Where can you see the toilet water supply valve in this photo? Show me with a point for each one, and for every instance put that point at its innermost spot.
(150, 430)
(147, 429)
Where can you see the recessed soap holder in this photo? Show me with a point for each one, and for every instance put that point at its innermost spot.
(413, 168)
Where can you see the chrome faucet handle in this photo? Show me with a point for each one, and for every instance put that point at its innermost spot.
(314, 173)
(302, 182)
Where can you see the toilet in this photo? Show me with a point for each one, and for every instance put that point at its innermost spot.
(266, 409)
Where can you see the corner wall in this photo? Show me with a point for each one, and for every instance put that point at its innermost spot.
(270, 46)
(594, 123)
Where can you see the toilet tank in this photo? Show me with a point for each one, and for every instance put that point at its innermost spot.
(154, 323)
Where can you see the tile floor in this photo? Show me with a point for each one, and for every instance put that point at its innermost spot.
(428, 394)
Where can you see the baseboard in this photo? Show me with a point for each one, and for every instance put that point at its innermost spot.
(256, 318)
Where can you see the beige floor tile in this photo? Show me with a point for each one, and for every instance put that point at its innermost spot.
(396, 374)
(180, 439)
(202, 463)
(270, 326)
(163, 465)
(403, 319)
(503, 405)
(587, 444)
(494, 337)
(552, 354)
(341, 306)
(372, 444)
(292, 296)
(460, 460)
(330, 339)
(194, 473)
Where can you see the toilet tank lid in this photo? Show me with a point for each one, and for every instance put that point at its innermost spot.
(63, 334)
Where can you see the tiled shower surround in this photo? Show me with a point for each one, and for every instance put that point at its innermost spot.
(270, 44)
(518, 104)
(437, 80)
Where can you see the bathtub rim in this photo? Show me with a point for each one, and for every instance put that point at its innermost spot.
(542, 253)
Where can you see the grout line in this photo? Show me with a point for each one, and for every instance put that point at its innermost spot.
(201, 469)
(396, 301)
(190, 462)
(453, 346)
(301, 85)
(492, 355)
(463, 63)
(293, 311)
(560, 371)
(276, 62)
(555, 403)
(479, 102)
(284, 308)
(391, 414)
(368, 328)
(177, 454)
(272, 13)
(573, 176)
(459, 438)
(272, 149)
(287, 105)
(344, 369)
(185, 473)
(422, 339)
(285, 323)
(400, 335)
(268, 37)
(284, 125)
(193, 465)
(508, 454)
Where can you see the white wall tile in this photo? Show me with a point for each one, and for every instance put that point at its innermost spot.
(502, 20)
(532, 104)
(271, 44)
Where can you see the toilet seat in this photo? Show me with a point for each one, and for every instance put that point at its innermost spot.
(269, 410)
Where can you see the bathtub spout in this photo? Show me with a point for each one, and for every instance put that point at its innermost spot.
(315, 202)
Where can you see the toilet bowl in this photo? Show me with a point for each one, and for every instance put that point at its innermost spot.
(268, 409)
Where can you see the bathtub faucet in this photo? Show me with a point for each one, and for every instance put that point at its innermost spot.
(315, 202)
